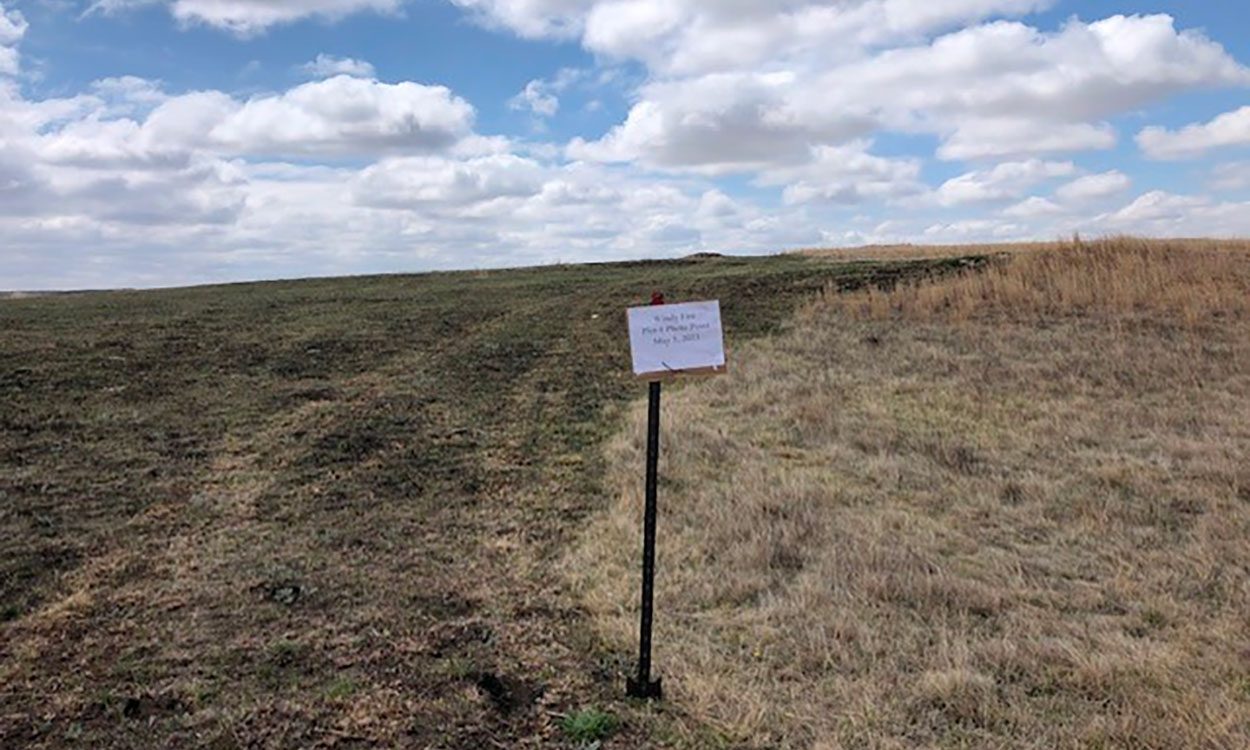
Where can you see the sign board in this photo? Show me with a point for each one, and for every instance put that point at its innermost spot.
(672, 339)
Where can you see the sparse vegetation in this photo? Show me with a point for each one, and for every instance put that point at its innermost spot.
(1004, 510)
(216, 503)
(1119, 277)
(589, 725)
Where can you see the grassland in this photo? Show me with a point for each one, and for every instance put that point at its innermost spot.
(1009, 509)
(329, 513)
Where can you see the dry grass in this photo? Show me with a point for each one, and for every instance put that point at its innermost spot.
(918, 252)
(1000, 511)
(1184, 282)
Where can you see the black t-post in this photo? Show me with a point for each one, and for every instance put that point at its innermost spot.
(642, 686)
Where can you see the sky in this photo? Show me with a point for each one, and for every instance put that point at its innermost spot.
(171, 142)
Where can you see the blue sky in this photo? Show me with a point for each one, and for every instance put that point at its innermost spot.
(160, 142)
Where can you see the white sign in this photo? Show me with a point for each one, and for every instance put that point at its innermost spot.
(675, 338)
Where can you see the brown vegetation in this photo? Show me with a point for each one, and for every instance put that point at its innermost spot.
(323, 513)
(1005, 510)
(1119, 277)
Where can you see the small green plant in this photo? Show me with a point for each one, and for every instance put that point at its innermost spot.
(284, 652)
(589, 725)
(342, 688)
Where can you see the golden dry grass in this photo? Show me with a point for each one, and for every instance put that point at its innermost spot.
(917, 252)
(1186, 281)
(1008, 510)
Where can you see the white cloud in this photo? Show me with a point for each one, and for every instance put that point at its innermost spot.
(537, 98)
(12, 28)
(1002, 182)
(541, 96)
(1229, 129)
(990, 138)
(997, 90)
(691, 37)
(1094, 186)
(430, 182)
(127, 91)
(1231, 176)
(722, 123)
(1155, 207)
(846, 174)
(131, 121)
(340, 115)
(1033, 207)
(328, 66)
(533, 19)
(1159, 213)
(251, 17)
(974, 230)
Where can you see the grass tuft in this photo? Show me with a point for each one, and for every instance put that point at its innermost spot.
(589, 725)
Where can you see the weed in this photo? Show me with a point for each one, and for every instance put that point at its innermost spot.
(340, 689)
(589, 725)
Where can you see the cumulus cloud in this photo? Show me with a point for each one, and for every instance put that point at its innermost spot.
(431, 182)
(1094, 187)
(1231, 176)
(846, 174)
(1229, 129)
(1157, 206)
(1003, 182)
(12, 28)
(999, 137)
(690, 37)
(328, 66)
(974, 230)
(1032, 208)
(251, 17)
(731, 122)
(537, 98)
(533, 19)
(128, 92)
(340, 115)
(131, 167)
(997, 90)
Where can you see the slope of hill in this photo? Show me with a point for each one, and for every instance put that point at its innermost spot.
(1008, 509)
(324, 513)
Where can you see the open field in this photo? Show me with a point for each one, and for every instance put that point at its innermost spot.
(327, 513)
(924, 252)
(1005, 510)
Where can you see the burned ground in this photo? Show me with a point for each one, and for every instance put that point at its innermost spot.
(326, 512)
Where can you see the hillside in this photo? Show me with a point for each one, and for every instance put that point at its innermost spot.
(1008, 509)
(327, 513)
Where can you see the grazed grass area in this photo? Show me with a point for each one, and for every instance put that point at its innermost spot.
(324, 513)
(1008, 510)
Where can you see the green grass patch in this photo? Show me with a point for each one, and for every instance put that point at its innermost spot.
(589, 725)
